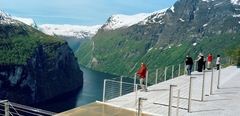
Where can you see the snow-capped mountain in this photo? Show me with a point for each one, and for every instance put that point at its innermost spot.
(155, 17)
(77, 31)
(124, 21)
(235, 2)
(28, 21)
(120, 20)
(6, 18)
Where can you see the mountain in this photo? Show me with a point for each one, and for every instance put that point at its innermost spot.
(34, 67)
(27, 21)
(165, 38)
(123, 21)
(82, 32)
(77, 31)
(65, 30)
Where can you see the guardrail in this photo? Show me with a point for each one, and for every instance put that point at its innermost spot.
(113, 89)
(13, 109)
(119, 87)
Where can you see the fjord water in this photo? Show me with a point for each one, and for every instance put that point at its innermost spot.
(91, 92)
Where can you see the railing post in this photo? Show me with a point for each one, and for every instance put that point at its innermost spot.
(6, 108)
(172, 71)
(203, 86)
(135, 81)
(185, 70)
(139, 112)
(229, 60)
(121, 86)
(165, 73)
(136, 94)
(170, 100)
(211, 87)
(146, 80)
(179, 69)
(156, 79)
(195, 65)
(104, 90)
(178, 101)
(139, 107)
(219, 74)
(190, 94)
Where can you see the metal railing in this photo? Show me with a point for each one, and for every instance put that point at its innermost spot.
(13, 109)
(179, 92)
(113, 89)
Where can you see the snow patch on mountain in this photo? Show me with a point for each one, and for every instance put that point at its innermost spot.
(27, 21)
(182, 20)
(172, 8)
(207, 0)
(155, 17)
(120, 20)
(220, 3)
(236, 2)
(77, 31)
(6, 18)
(236, 15)
(206, 24)
(194, 44)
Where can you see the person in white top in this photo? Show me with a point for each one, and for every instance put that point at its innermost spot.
(218, 62)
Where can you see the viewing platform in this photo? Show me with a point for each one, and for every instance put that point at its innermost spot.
(208, 93)
(212, 94)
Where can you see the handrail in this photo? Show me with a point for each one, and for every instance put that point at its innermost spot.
(183, 85)
(119, 82)
(23, 108)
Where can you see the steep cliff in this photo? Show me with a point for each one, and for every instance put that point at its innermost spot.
(34, 67)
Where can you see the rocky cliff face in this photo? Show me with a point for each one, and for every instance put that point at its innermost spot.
(34, 67)
(42, 78)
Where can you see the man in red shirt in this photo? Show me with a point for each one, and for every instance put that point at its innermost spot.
(209, 61)
(142, 74)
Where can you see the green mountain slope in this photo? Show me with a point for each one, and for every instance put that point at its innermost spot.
(165, 40)
(34, 67)
(20, 45)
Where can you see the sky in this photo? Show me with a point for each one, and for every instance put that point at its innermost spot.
(79, 12)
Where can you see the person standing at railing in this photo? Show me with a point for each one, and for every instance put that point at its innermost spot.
(142, 75)
(200, 62)
(209, 61)
(218, 62)
(189, 64)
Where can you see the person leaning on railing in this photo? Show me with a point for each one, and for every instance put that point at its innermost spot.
(142, 75)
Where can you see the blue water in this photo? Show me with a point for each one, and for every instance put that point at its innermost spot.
(92, 91)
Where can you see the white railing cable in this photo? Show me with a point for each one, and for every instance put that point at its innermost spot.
(14, 109)
(32, 109)
(10, 113)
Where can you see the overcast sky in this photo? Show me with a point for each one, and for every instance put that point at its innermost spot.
(80, 12)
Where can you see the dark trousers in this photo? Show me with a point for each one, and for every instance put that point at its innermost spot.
(189, 69)
(200, 67)
(218, 66)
